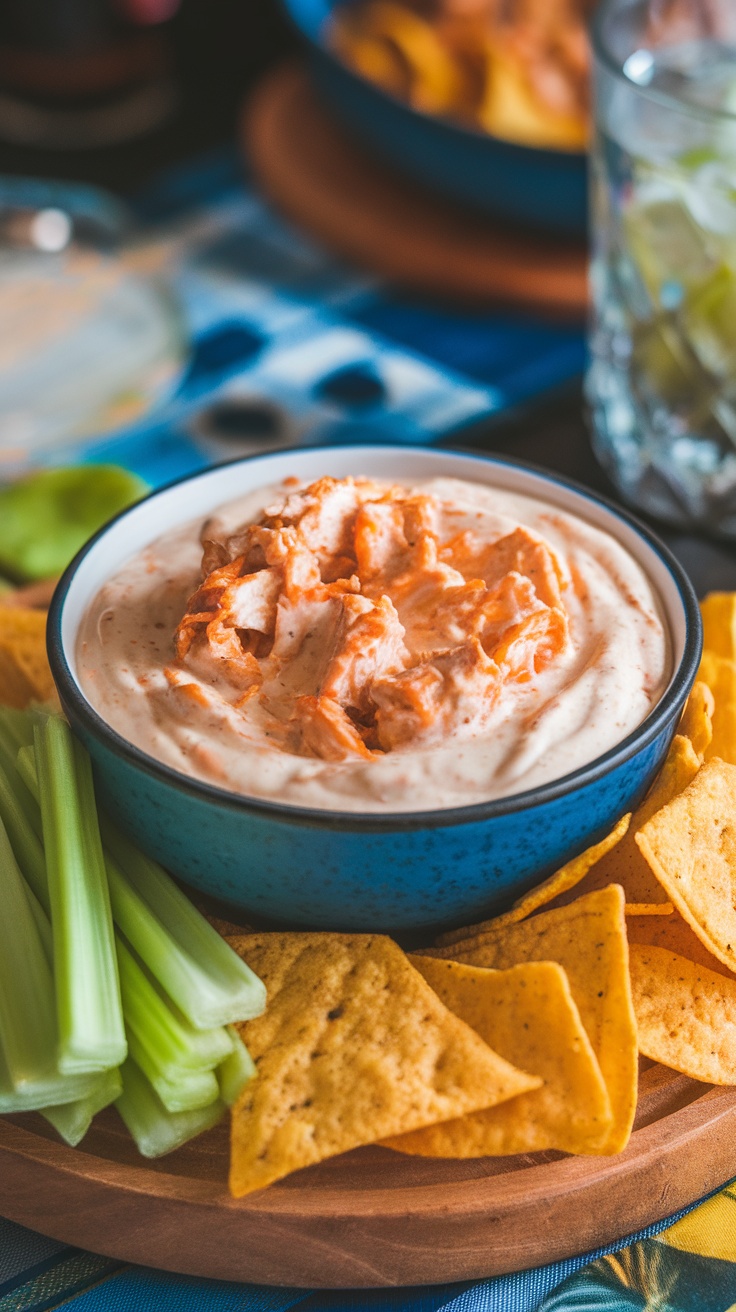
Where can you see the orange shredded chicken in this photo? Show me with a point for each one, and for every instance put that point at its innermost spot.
(357, 631)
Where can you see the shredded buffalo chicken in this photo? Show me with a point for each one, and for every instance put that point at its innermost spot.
(354, 629)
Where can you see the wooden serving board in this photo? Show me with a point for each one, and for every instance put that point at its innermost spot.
(370, 1217)
(373, 216)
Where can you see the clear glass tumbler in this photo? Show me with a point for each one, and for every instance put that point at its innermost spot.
(662, 378)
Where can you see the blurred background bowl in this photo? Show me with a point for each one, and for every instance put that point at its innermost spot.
(542, 188)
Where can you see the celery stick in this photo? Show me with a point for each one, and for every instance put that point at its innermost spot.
(73, 1119)
(89, 1010)
(25, 764)
(15, 811)
(235, 1071)
(43, 925)
(167, 960)
(28, 1029)
(171, 1042)
(205, 978)
(16, 726)
(155, 1130)
(45, 1085)
(47, 1090)
(186, 1091)
(8, 764)
(8, 753)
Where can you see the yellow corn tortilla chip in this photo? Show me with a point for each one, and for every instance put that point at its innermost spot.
(526, 1014)
(674, 935)
(685, 1013)
(625, 864)
(354, 1046)
(718, 610)
(567, 877)
(648, 909)
(690, 845)
(588, 939)
(719, 673)
(24, 669)
(697, 718)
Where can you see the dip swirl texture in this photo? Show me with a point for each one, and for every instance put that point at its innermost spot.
(366, 647)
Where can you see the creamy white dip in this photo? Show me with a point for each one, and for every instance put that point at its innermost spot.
(541, 724)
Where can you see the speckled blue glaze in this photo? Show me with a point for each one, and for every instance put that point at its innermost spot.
(352, 877)
(400, 872)
(543, 188)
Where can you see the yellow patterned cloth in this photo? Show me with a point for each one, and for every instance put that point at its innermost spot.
(691, 1267)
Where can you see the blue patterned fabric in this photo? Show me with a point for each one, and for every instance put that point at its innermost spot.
(284, 335)
(649, 1274)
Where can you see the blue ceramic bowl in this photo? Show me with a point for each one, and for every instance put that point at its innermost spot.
(543, 188)
(397, 872)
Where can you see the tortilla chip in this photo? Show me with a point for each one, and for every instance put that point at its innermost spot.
(697, 718)
(625, 865)
(588, 939)
(354, 1046)
(719, 673)
(718, 610)
(560, 882)
(527, 1014)
(690, 845)
(24, 670)
(674, 935)
(686, 1014)
(648, 909)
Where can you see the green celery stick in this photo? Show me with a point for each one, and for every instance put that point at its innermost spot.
(235, 1071)
(182, 978)
(167, 960)
(205, 978)
(8, 754)
(89, 1010)
(25, 763)
(73, 1119)
(187, 1091)
(171, 1042)
(9, 746)
(28, 1029)
(16, 726)
(15, 814)
(49, 1090)
(43, 925)
(45, 1085)
(155, 1130)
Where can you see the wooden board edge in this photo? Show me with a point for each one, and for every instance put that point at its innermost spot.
(315, 1238)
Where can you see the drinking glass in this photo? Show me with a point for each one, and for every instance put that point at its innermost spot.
(662, 378)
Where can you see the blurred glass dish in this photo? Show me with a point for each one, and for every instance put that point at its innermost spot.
(662, 380)
(86, 345)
